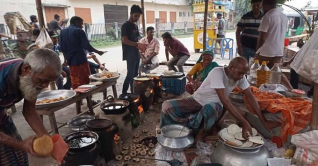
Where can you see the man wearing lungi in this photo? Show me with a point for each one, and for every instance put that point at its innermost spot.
(200, 111)
(74, 43)
(129, 37)
(23, 79)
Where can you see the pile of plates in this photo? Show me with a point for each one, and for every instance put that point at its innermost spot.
(232, 136)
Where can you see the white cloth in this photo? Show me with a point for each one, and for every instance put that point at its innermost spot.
(274, 23)
(222, 30)
(217, 79)
(153, 46)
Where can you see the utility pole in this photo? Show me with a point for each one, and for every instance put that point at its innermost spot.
(40, 13)
(206, 4)
(143, 18)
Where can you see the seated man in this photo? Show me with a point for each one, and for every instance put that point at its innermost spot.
(200, 71)
(149, 58)
(93, 66)
(179, 52)
(200, 111)
(65, 69)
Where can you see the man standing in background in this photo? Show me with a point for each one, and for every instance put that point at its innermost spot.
(129, 37)
(221, 26)
(247, 31)
(272, 30)
(54, 25)
(74, 43)
(34, 22)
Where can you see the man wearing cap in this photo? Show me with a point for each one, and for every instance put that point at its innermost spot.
(247, 30)
(65, 69)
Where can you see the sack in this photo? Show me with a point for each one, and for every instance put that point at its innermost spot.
(44, 40)
(305, 62)
(307, 146)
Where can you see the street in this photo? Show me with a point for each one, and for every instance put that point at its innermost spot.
(114, 62)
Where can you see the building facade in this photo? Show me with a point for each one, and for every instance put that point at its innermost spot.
(102, 11)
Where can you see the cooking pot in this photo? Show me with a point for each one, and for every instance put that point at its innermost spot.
(112, 106)
(236, 157)
(79, 123)
(82, 140)
(171, 139)
(101, 125)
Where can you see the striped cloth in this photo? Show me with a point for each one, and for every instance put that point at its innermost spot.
(189, 112)
(8, 155)
(250, 32)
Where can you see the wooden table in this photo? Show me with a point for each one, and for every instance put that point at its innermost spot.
(296, 38)
(77, 99)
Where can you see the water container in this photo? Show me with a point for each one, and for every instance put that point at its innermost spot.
(262, 75)
(275, 74)
(253, 72)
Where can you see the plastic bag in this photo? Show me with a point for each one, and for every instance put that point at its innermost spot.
(204, 152)
(305, 62)
(44, 40)
(307, 146)
(274, 88)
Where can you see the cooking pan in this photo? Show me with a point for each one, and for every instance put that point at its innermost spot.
(110, 106)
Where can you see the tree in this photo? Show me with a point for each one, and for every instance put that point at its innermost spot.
(244, 6)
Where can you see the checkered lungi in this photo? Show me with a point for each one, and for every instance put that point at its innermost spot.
(80, 74)
(8, 155)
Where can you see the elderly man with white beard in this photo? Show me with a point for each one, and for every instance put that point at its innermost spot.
(24, 79)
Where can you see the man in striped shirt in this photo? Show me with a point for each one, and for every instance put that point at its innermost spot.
(247, 30)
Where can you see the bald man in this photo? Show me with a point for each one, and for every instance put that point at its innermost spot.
(201, 110)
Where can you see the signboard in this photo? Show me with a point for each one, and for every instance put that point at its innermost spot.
(200, 37)
(200, 8)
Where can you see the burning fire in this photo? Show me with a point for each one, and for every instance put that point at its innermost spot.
(151, 91)
(136, 100)
(159, 83)
(116, 139)
(140, 109)
(157, 78)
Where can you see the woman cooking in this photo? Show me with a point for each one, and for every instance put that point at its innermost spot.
(200, 71)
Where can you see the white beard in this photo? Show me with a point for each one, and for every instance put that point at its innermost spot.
(29, 91)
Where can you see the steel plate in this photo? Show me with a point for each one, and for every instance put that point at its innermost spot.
(235, 147)
(176, 74)
(53, 94)
(98, 78)
(237, 97)
(79, 123)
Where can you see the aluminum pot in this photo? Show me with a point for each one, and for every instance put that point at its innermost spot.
(171, 139)
(236, 157)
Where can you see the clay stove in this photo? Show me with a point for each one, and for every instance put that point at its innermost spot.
(135, 105)
(157, 89)
(145, 89)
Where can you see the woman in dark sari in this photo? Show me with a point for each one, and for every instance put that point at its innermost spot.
(200, 71)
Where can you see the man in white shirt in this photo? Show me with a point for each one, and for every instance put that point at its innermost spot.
(201, 110)
(270, 44)
(149, 58)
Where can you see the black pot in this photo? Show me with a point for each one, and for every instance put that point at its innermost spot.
(106, 131)
(114, 107)
(77, 135)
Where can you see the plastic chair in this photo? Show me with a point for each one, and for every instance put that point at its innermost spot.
(212, 46)
(227, 44)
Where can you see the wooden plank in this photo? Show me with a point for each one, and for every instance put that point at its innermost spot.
(173, 17)
(150, 17)
(163, 16)
(314, 114)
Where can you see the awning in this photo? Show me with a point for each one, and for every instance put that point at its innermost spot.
(55, 5)
(219, 3)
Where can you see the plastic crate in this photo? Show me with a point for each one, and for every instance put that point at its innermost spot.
(174, 86)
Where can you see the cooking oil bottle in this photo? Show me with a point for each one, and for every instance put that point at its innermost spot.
(263, 73)
(253, 72)
(276, 74)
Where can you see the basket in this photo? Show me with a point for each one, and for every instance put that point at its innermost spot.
(174, 86)
(11, 21)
